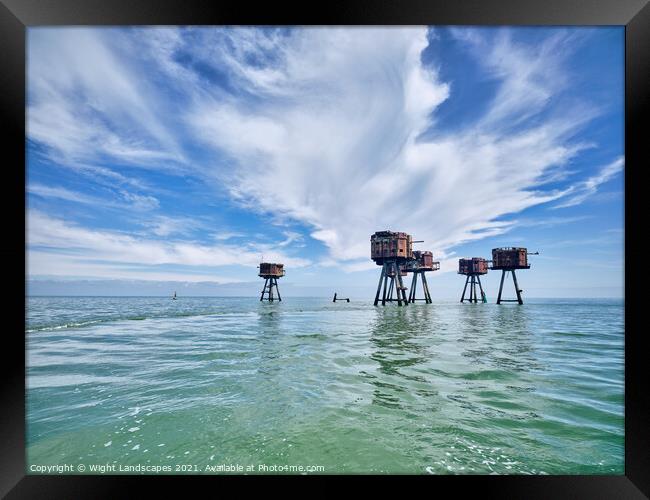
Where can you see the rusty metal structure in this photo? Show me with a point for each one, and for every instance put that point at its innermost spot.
(473, 268)
(509, 259)
(390, 273)
(393, 251)
(421, 263)
(271, 272)
(388, 246)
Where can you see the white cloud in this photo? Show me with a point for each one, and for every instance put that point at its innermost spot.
(582, 190)
(61, 193)
(531, 76)
(291, 238)
(126, 201)
(84, 101)
(550, 221)
(226, 235)
(55, 244)
(48, 265)
(140, 202)
(333, 142)
(164, 225)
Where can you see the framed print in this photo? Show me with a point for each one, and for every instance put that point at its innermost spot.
(374, 241)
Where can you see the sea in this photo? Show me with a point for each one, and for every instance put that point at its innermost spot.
(227, 385)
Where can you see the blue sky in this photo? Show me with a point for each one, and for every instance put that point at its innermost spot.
(163, 158)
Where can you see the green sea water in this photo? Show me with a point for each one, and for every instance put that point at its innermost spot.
(216, 385)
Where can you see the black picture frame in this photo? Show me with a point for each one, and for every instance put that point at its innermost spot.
(17, 15)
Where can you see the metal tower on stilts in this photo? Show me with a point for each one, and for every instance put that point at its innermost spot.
(271, 272)
(393, 284)
(422, 262)
(473, 268)
(508, 259)
(391, 251)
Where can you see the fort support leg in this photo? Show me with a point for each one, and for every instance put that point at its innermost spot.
(264, 289)
(481, 288)
(277, 289)
(402, 288)
(383, 297)
(271, 290)
(425, 287)
(391, 287)
(462, 297)
(474, 287)
(414, 283)
(397, 281)
(381, 277)
(503, 275)
(514, 278)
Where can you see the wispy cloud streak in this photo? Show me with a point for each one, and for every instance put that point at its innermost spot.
(584, 189)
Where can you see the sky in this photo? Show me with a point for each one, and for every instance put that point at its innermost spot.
(164, 159)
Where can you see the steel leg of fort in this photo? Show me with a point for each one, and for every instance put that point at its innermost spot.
(425, 286)
(414, 284)
(481, 287)
(401, 290)
(381, 277)
(277, 289)
(264, 289)
(503, 275)
(514, 278)
(396, 282)
(462, 297)
(383, 297)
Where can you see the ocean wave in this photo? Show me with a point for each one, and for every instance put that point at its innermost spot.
(111, 319)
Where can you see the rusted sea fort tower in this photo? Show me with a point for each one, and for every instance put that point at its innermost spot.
(271, 272)
(473, 268)
(421, 263)
(508, 259)
(391, 251)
